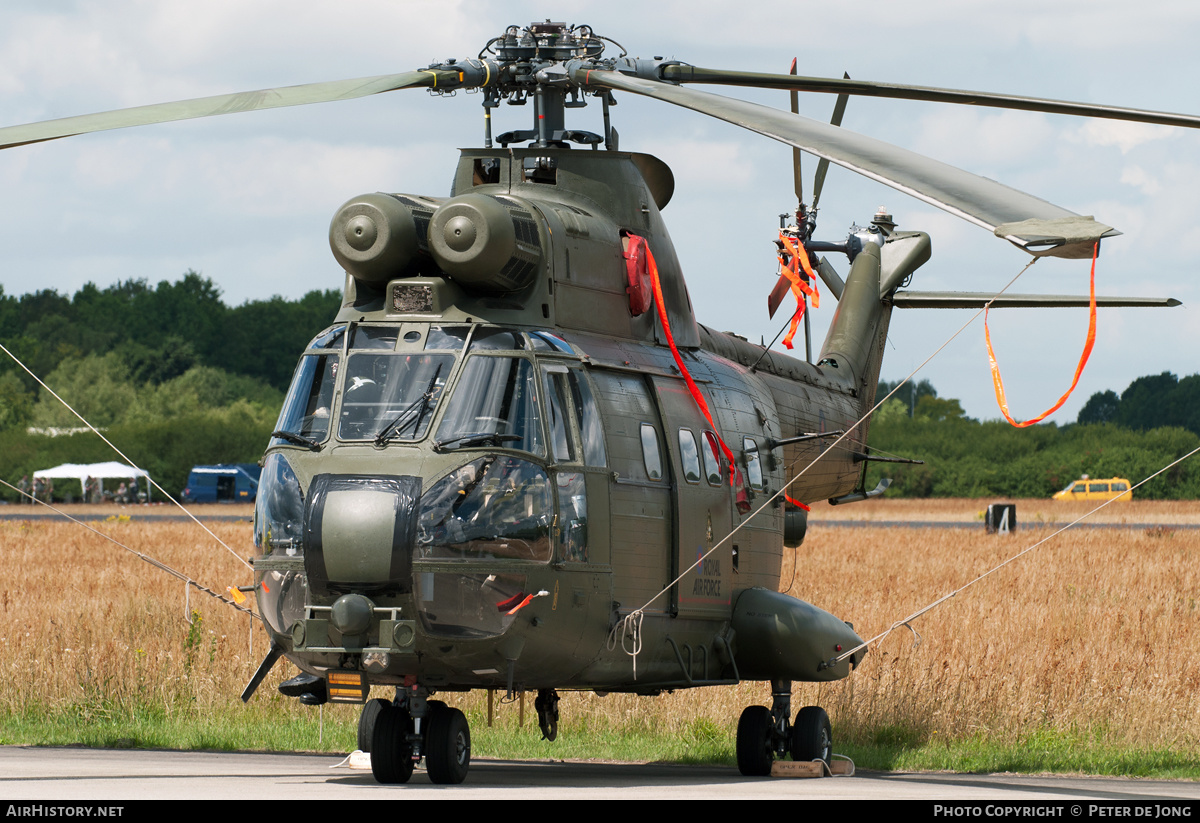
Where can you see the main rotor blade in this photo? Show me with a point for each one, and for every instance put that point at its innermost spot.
(796, 155)
(210, 106)
(693, 74)
(839, 111)
(1047, 229)
(977, 300)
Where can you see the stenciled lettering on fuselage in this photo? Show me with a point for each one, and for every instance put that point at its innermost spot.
(708, 579)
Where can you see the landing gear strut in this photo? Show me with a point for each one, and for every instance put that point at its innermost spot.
(764, 734)
(413, 727)
(547, 712)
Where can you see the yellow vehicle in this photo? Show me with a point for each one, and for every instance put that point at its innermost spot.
(1085, 488)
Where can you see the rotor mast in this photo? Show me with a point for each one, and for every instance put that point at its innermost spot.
(532, 64)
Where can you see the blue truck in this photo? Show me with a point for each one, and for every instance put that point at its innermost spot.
(225, 483)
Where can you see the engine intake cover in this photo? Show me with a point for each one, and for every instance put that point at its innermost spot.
(484, 244)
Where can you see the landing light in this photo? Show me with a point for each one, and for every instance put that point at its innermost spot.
(375, 662)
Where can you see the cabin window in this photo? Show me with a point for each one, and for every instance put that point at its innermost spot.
(712, 459)
(1120, 487)
(689, 456)
(494, 403)
(650, 453)
(753, 463)
(1097, 487)
(392, 395)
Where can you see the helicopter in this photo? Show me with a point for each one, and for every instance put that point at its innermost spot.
(516, 460)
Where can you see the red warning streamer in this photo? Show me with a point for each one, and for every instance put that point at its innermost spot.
(1087, 352)
(796, 503)
(790, 268)
(661, 305)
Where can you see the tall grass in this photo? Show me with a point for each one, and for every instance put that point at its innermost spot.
(1090, 644)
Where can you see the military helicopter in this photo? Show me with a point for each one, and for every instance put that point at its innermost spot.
(516, 461)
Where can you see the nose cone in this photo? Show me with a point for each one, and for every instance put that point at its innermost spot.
(351, 614)
(359, 532)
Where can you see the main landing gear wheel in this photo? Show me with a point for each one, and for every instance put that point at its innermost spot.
(391, 753)
(447, 744)
(754, 750)
(366, 722)
(812, 737)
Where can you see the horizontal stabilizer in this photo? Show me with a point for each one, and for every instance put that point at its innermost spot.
(977, 300)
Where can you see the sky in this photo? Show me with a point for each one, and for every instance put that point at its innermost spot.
(246, 199)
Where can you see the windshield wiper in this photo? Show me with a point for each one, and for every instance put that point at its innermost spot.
(298, 439)
(420, 405)
(474, 439)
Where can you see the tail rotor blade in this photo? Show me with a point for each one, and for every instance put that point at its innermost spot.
(777, 294)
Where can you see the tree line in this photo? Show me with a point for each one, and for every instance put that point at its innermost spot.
(174, 375)
(177, 378)
(1132, 435)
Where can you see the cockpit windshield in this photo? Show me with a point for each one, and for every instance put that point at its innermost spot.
(495, 404)
(305, 414)
(392, 395)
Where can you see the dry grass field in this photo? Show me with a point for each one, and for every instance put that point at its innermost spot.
(1093, 637)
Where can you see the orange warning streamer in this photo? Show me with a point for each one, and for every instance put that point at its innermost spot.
(791, 270)
(1087, 352)
(661, 305)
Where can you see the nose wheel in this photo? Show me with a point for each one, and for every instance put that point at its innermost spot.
(366, 723)
(443, 740)
(447, 745)
(391, 751)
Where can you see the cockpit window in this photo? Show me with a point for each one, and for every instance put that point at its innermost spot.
(497, 340)
(496, 507)
(561, 444)
(374, 337)
(494, 404)
(587, 418)
(387, 396)
(446, 337)
(306, 411)
(548, 341)
(329, 339)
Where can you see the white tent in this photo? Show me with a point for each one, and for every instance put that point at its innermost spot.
(99, 471)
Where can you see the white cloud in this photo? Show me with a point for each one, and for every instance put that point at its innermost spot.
(1136, 176)
(1125, 136)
